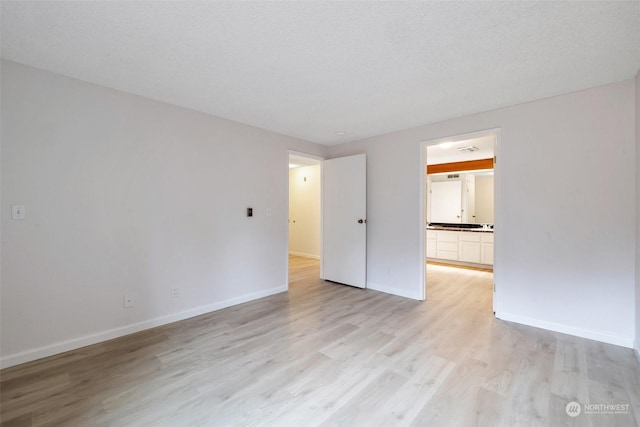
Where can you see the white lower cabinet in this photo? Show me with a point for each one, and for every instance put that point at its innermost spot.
(465, 246)
(487, 248)
(431, 244)
(469, 244)
(447, 254)
(447, 245)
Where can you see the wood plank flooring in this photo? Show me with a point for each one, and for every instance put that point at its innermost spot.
(331, 355)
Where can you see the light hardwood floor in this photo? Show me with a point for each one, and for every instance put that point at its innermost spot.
(327, 354)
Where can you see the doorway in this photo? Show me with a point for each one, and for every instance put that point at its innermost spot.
(305, 189)
(327, 216)
(458, 204)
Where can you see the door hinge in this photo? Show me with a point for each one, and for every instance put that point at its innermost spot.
(495, 160)
(494, 287)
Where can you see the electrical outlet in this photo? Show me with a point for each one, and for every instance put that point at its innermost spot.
(128, 300)
(175, 292)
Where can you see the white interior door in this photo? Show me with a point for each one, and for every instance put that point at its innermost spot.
(470, 210)
(446, 201)
(344, 224)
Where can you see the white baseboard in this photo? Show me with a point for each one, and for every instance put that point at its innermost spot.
(569, 330)
(75, 343)
(305, 255)
(393, 291)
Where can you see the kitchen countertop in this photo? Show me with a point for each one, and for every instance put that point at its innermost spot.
(472, 230)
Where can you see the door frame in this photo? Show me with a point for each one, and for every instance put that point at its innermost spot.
(320, 159)
(497, 207)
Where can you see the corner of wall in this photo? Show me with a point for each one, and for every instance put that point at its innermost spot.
(637, 266)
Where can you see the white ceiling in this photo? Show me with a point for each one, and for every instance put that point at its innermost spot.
(301, 161)
(309, 69)
(447, 151)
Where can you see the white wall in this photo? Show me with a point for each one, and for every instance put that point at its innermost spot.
(484, 199)
(565, 207)
(128, 195)
(304, 209)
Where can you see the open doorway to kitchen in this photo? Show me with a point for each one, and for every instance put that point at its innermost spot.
(305, 189)
(458, 215)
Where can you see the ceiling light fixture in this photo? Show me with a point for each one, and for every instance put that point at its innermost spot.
(341, 133)
(467, 149)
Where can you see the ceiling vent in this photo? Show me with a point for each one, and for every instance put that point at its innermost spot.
(467, 149)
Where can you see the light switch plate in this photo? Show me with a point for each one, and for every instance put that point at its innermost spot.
(17, 212)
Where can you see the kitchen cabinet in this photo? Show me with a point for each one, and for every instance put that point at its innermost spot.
(431, 244)
(487, 249)
(461, 246)
(447, 245)
(469, 247)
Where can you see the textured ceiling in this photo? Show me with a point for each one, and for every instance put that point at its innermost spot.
(309, 69)
(447, 152)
